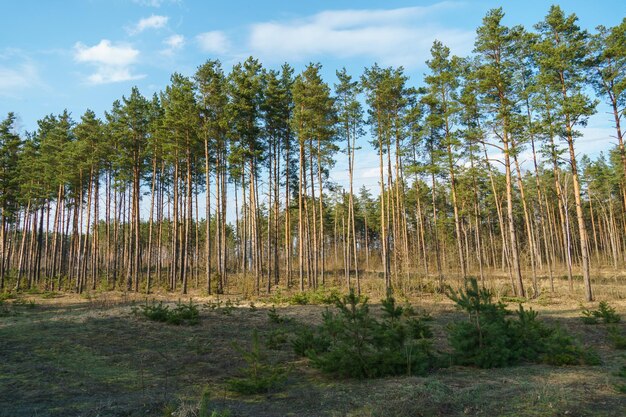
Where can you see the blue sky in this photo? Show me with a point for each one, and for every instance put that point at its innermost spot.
(85, 54)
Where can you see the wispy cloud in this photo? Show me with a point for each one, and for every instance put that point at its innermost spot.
(113, 62)
(215, 42)
(595, 137)
(20, 77)
(155, 3)
(17, 73)
(152, 22)
(173, 43)
(401, 36)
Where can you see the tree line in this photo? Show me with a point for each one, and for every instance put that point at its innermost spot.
(115, 202)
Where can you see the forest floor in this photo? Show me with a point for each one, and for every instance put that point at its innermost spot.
(66, 355)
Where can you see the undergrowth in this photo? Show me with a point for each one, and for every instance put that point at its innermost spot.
(321, 295)
(182, 313)
(604, 313)
(490, 338)
(274, 317)
(352, 343)
(259, 375)
(617, 337)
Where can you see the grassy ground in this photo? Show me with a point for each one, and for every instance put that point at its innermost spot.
(72, 356)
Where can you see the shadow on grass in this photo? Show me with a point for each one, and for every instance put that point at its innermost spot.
(81, 360)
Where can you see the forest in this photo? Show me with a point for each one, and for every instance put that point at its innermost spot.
(222, 185)
(115, 202)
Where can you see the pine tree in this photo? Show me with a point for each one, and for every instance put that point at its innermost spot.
(132, 131)
(350, 128)
(313, 124)
(276, 113)
(10, 144)
(89, 137)
(495, 45)
(213, 101)
(382, 98)
(442, 85)
(473, 134)
(181, 117)
(561, 55)
(608, 76)
(247, 150)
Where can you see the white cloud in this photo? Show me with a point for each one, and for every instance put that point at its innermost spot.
(112, 62)
(21, 77)
(152, 22)
(106, 53)
(17, 73)
(213, 42)
(107, 75)
(154, 3)
(400, 36)
(173, 43)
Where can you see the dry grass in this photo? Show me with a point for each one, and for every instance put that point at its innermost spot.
(91, 356)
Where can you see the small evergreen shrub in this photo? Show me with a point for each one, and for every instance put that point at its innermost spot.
(483, 340)
(490, 338)
(419, 328)
(155, 312)
(182, 313)
(259, 376)
(604, 313)
(617, 338)
(561, 349)
(320, 295)
(276, 339)
(352, 343)
(588, 317)
(225, 308)
(185, 314)
(309, 339)
(300, 298)
(323, 296)
(276, 318)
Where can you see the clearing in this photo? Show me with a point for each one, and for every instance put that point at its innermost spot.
(64, 355)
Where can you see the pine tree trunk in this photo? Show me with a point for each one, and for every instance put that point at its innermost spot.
(20, 261)
(517, 272)
(95, 249)
(151, 224)
(207, 178)
(582, 229)
(300, 216)
(383, 226)
(501, 224)
(2, 248)
(530, 234)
